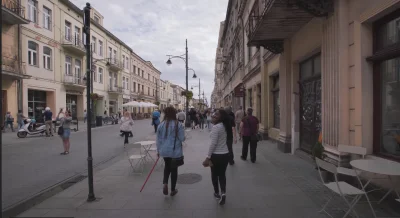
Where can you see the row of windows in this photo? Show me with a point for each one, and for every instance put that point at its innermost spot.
(141, 73)
(33, 55)
(33, 14)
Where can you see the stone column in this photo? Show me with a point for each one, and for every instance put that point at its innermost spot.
(285, 92)
(264, 96)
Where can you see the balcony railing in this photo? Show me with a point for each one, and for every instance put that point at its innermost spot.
(12, 65)
(256, 14)
(74, 80)
(115, 89)
(14, 6)
(75, 42)
(115, 63)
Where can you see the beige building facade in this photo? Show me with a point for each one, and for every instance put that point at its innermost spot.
(13, 68)
(329, 69)
(53, 55)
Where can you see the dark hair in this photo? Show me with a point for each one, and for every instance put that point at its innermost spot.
(169, 114)
(225, 119)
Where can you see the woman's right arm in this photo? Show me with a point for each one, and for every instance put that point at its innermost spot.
(214, 141)
(158, 139)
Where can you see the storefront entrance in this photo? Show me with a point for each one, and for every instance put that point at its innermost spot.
(37, 101)
(71, 104)
(310, 102)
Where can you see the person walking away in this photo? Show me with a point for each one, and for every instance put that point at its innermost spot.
(201, 120)
(218, 154)
(231, 135)
(181, 116)
(209, 120)
(84, 116)
(8, 121)
(238, 118)
(126, 126)
(20, 119)
(192, 115)
(156, 120)
(170, 135)
(48, 121)
(66, 125)
(249, 129)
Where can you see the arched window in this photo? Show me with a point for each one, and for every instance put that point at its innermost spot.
(32, 53)
(47, 57)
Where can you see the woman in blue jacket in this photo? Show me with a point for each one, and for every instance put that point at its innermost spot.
(170, 135)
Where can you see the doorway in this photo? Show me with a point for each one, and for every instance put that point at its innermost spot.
(310, 102)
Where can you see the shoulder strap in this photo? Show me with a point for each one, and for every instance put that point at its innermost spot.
(176, 132)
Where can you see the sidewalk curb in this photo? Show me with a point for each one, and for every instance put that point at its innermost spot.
(38, 198)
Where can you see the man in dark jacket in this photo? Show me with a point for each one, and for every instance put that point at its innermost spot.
(231, 136)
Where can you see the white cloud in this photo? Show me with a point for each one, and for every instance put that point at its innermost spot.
(155, 28)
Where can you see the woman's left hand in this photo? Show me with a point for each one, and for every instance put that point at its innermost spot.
(206, 162)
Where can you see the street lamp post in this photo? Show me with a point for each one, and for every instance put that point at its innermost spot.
(186, 59)
(91, 196)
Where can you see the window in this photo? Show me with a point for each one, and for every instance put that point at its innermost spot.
(78, 65)
(134, 69)
(142, 73)
(115, 79)
(127, 63)
(275, 99)
(100, 75)
(148, 77)
(138, 73)
(94, 73)
(67, 31)
(77, 36)
(134, 87)
(101, 48)
(68, 64)
(148, 91)
(47, 57)
(32, 10)
(138, 87)
(94, 44)
(32, 53)
(46, 18)
(143, 88)
(123, 82)
(115, 54)
(123, 61)
(96, 19)
(110, 52)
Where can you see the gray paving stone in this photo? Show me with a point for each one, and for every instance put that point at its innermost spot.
(61, 203)
(34, 213)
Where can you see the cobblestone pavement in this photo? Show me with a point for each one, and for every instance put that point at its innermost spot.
(278, 186)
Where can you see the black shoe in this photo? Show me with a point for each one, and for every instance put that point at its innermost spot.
(241, 157)
(253, 161)
(165, 189)
(217, 196)
(222, 200)
(232, 162)
(174, 192)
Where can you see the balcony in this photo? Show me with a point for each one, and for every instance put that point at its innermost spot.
(13, 12)
(115, 90)
(272, 21)
(114, 64)
(12, 68)
(74, 81)
(74, 45)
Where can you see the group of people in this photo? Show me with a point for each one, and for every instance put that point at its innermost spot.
(199, 118)
(226, 124)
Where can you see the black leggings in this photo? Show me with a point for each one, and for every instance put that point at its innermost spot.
(126, 134)
(170, 170)
(220, 163)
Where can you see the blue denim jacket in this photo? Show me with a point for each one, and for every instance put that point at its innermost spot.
(157, 121)
(165, 145)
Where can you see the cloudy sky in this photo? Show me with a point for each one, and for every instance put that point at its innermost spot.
(155, 28)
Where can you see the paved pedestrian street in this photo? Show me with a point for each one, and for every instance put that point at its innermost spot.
(277, 185)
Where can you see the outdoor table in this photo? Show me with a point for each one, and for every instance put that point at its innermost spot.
(381, 167)
(147, 145)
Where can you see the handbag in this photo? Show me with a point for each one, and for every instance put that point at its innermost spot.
(254, 137)
(60, 129)
(179, 161)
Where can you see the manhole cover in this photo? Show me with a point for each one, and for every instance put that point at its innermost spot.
(189, 178)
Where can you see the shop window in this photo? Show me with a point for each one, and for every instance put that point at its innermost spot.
(47, 57)
(36, 104)
(386, 83)
(32, 53)
(275, 100)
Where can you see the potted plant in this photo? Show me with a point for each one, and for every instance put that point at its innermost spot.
(317, 151)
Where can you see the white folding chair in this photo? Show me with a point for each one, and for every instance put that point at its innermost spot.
(341, 188)
(361, 151)
(138, 158)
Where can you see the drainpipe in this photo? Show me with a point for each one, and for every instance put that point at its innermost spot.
(19, 81)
